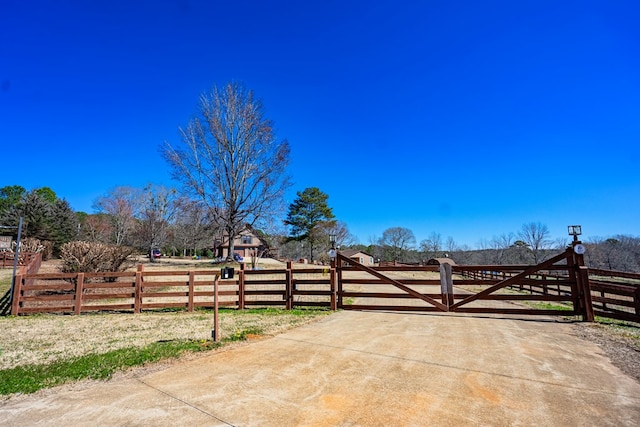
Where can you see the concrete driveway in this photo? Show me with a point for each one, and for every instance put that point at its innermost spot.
(365, 369)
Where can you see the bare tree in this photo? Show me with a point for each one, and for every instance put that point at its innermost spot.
(451, 246)
(158, 207)
(614, 253)
(229, 157)
(121, 204)
(97, 228)
(501, 245)
(485, 251)
(192, 229)
(431, 247)
(341, 231)
(396, 241)
(536, 236)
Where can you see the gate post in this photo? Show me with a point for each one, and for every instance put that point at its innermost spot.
(332, 285)
(288, 278)
(581, 274)
(446, 285)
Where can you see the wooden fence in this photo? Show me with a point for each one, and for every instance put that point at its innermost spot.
(6, 259)
(560, 286)
(30, 261)
(147, 290)
(614, 294)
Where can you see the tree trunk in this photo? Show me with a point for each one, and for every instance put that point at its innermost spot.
(231, 246)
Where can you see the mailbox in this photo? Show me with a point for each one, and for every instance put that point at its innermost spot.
(226, 272)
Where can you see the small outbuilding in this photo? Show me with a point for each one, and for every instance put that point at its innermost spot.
(360, 257)
(440, 261)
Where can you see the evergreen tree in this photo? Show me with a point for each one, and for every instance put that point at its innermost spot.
(308, 216)
(10, 196)
(44, 216)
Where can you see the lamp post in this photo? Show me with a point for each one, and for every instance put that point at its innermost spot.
(575, 231)
(332, 251)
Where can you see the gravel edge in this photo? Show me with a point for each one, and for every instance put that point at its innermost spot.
(623, 351)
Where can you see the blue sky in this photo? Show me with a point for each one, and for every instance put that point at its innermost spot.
(463, 118)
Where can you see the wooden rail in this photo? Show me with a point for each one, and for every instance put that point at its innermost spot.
(152, 290)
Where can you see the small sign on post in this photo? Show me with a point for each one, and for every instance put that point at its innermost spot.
(5, 242)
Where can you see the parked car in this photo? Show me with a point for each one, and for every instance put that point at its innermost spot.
(238, 258)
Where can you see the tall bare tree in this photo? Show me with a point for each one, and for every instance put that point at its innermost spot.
(230, 158)
(122, 205)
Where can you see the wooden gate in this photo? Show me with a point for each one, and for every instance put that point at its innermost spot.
(387, 288)
(497, 289)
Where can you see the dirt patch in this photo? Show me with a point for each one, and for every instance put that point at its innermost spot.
(621, 346)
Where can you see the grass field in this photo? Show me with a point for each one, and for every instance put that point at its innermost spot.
(45, 350)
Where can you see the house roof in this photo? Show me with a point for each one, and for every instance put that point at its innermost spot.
(351, 252)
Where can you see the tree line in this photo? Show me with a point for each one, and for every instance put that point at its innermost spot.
(158, 217)
(532, 244)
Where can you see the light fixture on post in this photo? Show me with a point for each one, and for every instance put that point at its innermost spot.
(332, 251)
(578, 247)
(575, 231)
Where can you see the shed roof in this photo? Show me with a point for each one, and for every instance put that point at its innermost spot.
(438, 261)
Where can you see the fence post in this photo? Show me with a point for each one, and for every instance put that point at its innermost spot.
(241, 287)
(137, 293)
(288, 287)
(79, 290)
(446, 285)
(584, 288)
(216, 322)
(192, 288)
(338, 268)
(583, 272)
(17, 293)
(332, 285)
(573, 279)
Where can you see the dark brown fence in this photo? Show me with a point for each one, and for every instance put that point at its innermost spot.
(149, 290)
(615, 294)
(559, 286)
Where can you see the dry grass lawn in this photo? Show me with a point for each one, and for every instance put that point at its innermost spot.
(38, 339)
